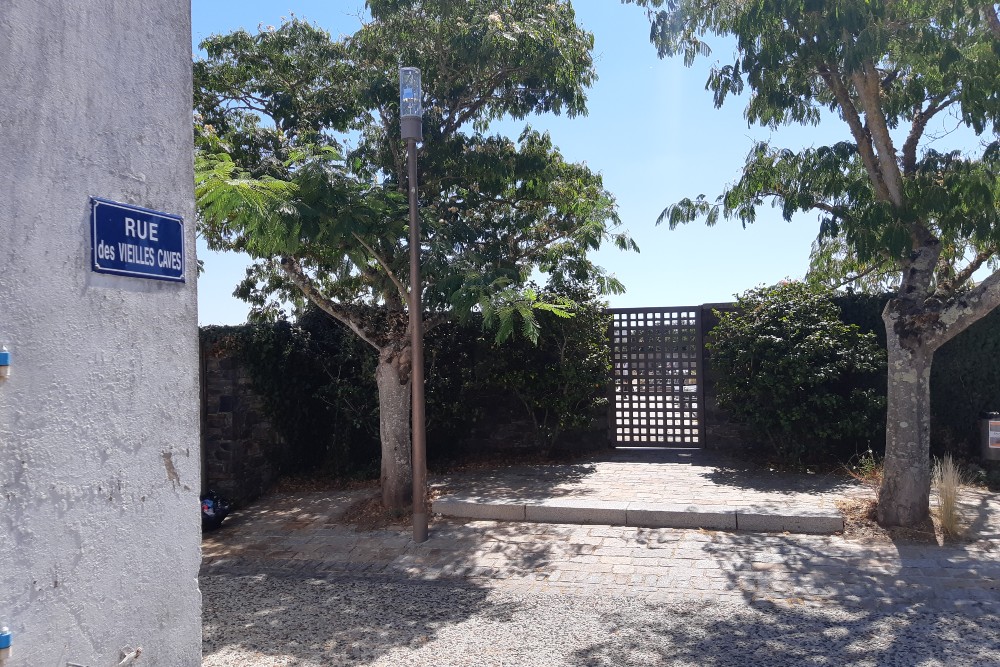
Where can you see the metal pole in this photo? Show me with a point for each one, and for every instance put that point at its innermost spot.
(417, 425)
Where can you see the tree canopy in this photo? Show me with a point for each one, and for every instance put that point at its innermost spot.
(895, 205)
(301, 156)
(886, 69)
(300, 163)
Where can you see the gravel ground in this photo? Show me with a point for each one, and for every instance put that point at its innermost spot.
(265, 620)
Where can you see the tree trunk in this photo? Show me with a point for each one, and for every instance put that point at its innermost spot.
(904, 497)
(393, 378)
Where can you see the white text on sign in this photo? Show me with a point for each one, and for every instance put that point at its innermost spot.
(142, 229)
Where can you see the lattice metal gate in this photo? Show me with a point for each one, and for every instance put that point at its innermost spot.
(657, 389)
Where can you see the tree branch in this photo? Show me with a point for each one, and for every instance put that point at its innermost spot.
(967, 309)
(949, 287)
(868, 86)
(466, 109)
(832, 209)
(435, 321)
(384, 264)
(990, 12)
(831, 75)
(918, 269)
(861, 274)
(297, 275)
(397, 157)
(917, 128)
(839, 211)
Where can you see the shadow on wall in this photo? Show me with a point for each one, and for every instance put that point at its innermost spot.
(237, 442)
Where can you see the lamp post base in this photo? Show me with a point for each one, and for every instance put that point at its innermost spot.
(419, 528)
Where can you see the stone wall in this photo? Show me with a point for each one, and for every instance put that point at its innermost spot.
(239, 446)
(241, 452)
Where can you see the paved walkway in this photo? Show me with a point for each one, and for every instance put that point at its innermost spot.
(651, 488)
(285, 581)
(300, 534)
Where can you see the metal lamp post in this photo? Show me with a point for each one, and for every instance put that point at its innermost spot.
(411, 124)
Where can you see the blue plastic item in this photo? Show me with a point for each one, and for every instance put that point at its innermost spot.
(214, 509)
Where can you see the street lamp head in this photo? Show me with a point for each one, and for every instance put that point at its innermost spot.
(409, 92)
(410, 103)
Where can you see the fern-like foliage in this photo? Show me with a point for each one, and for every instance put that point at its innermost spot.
(238, 211)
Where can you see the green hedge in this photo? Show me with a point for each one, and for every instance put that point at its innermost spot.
(965, 376)
(805, 383)
(317, 381)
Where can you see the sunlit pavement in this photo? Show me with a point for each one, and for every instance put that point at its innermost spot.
(280, 580)
(659, 488)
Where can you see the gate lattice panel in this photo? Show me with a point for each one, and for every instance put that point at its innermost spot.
(657, 388)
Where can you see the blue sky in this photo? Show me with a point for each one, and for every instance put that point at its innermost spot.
(653, 133)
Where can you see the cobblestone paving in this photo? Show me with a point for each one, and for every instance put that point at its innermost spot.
(675, 477)
(300, 535)
(285, 582)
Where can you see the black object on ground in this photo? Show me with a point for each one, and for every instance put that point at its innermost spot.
(214, 509)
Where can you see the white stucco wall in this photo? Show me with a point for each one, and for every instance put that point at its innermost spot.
(99, 465)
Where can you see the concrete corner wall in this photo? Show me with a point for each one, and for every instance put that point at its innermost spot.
(99, 464)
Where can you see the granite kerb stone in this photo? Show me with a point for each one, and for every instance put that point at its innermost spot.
(577, 510)
(475, 508)
(643, 514)
(790, 519)
(661, 515)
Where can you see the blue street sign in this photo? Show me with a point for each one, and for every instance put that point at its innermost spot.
(134, 241)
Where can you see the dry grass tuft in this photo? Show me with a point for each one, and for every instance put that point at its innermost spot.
(948, 480)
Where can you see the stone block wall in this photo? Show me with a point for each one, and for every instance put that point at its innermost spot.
(240, 449)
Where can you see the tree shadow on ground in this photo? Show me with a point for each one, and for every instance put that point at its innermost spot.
(327, 621)
(520, 482)
(981, 517)
(716, 635)
(741, 474)
(698, 469)
(818, 600)
(287, 581)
